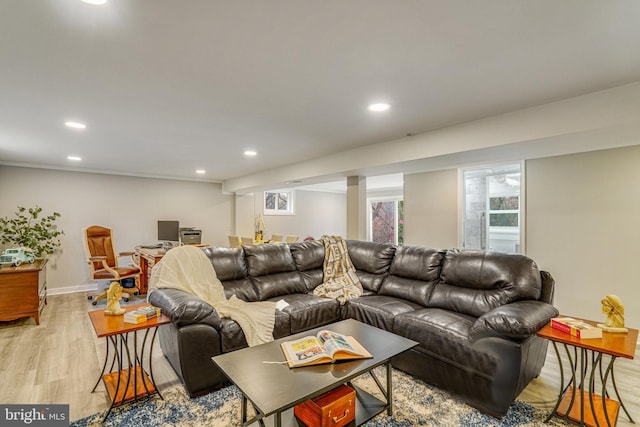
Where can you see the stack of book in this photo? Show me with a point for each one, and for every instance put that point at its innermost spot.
(141, 314)
(575, 327)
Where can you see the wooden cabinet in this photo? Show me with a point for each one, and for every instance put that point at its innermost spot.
(23, 291)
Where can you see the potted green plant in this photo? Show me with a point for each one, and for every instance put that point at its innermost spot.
(29, 229)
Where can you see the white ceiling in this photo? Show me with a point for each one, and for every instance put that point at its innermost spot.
(168, 87)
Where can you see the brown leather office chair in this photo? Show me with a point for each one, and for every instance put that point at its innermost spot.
(103, 261)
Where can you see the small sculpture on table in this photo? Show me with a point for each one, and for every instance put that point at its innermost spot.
(114, 294)
(614, 309)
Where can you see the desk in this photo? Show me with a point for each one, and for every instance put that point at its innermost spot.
(129, 381)
(147, 258)
(577, 399)
(23, 291)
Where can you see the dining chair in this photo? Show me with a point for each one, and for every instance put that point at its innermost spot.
(247, 241)
(276, 238)
(292, 239)
(234, 241)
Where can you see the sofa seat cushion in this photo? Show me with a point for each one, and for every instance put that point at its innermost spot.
(378, 310)
(233, 338)
(307, 311)
(444, 335)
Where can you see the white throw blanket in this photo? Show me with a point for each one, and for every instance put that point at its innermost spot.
(187, 268)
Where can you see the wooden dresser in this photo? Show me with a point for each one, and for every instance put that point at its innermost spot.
(23, 291)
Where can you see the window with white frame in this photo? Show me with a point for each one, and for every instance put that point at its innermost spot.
(493, 208)
(386, 220)
(279, 202)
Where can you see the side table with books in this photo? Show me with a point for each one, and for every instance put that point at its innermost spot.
(579, 399)
(126, 379)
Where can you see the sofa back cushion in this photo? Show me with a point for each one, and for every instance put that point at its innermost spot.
(231, 269)
(475, 282)
(413, 274)
(272, 270)
(371, 261)
(309, 260)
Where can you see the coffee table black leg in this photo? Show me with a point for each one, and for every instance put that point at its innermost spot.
(258, 417)
(244, 409)
(389, 390)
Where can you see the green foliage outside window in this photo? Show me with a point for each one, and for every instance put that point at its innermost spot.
(504, 203)
(503, 220)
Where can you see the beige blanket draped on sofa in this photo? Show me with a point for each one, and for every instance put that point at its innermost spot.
(187, 268)
(340, 280)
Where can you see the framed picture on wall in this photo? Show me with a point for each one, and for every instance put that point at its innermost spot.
(279, 202)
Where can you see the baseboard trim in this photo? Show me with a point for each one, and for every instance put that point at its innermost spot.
(73, 289)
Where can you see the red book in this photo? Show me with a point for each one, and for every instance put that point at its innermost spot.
(576, 328)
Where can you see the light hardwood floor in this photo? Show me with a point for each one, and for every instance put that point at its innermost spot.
(59, 361)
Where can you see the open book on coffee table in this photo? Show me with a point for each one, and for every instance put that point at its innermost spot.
(325, 347)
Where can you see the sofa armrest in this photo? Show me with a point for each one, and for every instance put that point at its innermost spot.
(517, 320)
(184, 308)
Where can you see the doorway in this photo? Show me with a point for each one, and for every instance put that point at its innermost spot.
(493, 206)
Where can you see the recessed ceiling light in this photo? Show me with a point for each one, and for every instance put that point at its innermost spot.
(201, 171)
(74, 158)
(75, 125)
(380, 106)
(95, 2)
(250, 153)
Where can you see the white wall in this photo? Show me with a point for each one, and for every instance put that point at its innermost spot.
(316, 213)
(131, 206)
(431, 209)
(245, 214)
(582, 224)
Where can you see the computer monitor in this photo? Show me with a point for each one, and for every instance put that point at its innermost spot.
(168, 231)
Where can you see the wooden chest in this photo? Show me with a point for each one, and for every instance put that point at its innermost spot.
(335, 408)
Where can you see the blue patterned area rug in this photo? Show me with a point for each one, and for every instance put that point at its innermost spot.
(415, 404)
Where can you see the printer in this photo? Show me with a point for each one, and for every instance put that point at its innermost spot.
(190, 236)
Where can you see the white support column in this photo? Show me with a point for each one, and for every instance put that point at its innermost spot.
(356, 207)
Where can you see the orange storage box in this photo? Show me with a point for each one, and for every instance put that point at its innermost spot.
(335, 408)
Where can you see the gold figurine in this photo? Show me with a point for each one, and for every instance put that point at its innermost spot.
(614, 309)
(114, 293)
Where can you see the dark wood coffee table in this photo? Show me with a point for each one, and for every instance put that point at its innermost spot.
(274, 389)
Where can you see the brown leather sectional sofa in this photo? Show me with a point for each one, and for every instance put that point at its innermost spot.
(475, 314)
